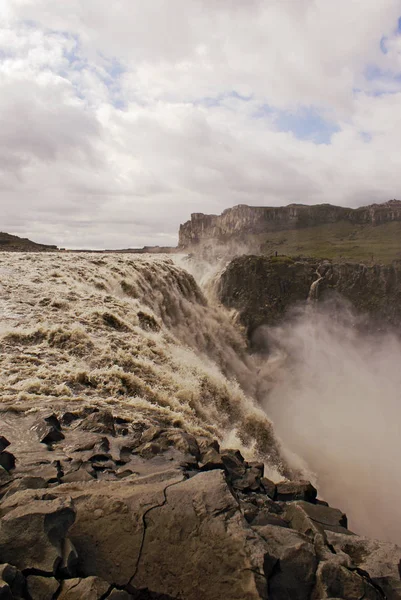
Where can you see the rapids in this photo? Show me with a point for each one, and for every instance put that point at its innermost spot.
(131, 333)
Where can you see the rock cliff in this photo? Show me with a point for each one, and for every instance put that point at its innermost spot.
(242, 220)
(263, 289)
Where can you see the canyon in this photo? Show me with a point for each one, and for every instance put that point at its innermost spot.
(176, 429)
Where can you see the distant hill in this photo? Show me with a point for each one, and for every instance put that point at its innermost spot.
(13, 243)
(371, 233)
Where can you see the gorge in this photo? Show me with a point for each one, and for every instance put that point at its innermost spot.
(172, 429)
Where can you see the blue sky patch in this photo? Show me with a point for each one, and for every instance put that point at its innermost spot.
(213, 101)
(305, 123)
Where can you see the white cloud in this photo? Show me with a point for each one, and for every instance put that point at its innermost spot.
(119, 120)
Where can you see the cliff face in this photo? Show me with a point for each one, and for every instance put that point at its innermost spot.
(263, 289)
(243, 220)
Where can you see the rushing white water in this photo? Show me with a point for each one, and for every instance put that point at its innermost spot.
(135, 334)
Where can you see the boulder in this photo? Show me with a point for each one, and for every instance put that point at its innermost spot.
(4, 477)
(211, 459)
(99, 422)
(90, 588)
(4, 443)
(200, 525)
(315, 518)
(381, 560)
(250, 481)
(234, 464)
(12, 582)
(5, 591)
(292, 563)
(48, 429)
(33, 528)
(25, 483)
(42, 588)
(7, 460)
(109, 526)
(336, 581)
(269, 487)
(288, 491)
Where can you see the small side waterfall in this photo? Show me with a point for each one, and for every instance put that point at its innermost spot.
(313, 295)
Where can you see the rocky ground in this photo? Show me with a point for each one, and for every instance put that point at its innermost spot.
(94, 506)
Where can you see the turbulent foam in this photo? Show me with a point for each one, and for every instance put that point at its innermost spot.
(133, 334)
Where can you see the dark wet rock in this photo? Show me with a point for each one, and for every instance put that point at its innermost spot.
(79, 475)
(5, 591)
(4, 443)
(211, 459)
(145, 594)
(4, 477)
(292, 562)
(200, 524)
(48, 429)
(11, 578)
(380, 559)
(157, 440)
(265, 517)
(110, 517)
(288, 491)
(161, 515)
(251, 479)
(262, 290)
(121, 595)
(89, 442)
(47, 471)
(33, 528)
(7, 460)
(90, 588)
(336, 581)
(42, 588)
(312, 518)
(234, 464)
(69, 417)
(25, 483)
(69, 560)
(269, 487)
(99, 422)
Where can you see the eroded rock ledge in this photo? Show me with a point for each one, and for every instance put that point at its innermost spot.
(264, 289)
(242, 220)
(99, 507)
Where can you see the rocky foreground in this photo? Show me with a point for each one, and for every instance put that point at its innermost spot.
(94, 506)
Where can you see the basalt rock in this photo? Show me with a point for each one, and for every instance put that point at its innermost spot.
(235, 224)
(263, 290)
(48, 429)
(163, 526)
(33, 528)
(44, 588)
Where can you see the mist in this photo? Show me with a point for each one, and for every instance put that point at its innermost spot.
(334, 396)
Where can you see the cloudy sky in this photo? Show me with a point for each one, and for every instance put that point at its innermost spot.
(119, 119)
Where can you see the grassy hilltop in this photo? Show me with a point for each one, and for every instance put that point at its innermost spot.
(342, 241)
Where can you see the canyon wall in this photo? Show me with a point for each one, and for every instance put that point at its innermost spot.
(243, 220)
(264, 289)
